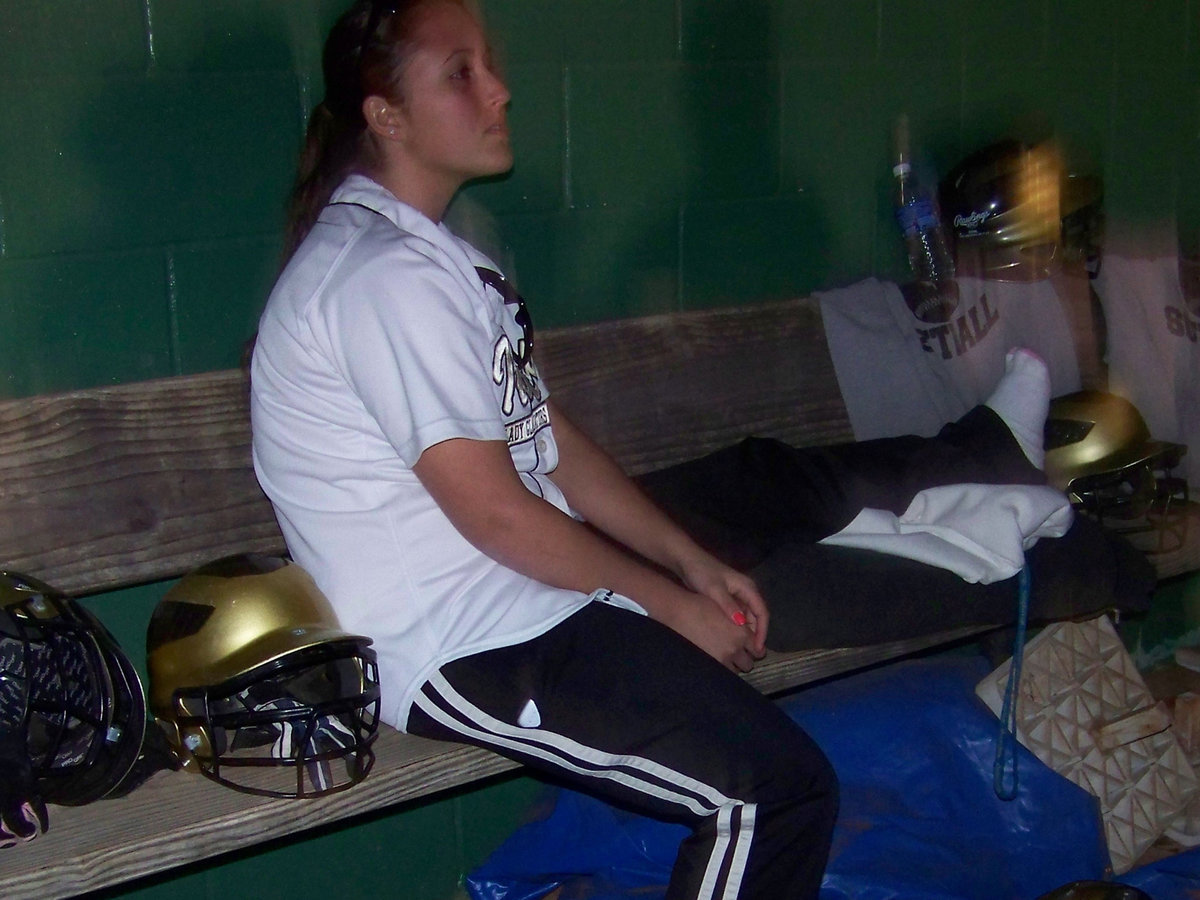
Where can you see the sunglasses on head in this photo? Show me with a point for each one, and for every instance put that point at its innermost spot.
(379, 9)
(494, 279)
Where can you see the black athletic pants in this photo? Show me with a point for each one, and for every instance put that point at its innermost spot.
(632, 712)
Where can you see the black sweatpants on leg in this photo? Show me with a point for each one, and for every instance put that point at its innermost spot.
(743, 501)
(626, 709)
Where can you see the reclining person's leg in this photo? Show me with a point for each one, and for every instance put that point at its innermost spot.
(743, 500)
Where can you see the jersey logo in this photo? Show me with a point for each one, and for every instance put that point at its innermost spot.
(518, 382)
(523, 429)
(958, 336)
(512, 367)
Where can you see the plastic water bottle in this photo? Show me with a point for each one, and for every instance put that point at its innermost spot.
(920, 221)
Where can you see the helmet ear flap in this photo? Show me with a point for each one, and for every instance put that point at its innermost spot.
(199, 744)
(183, 743)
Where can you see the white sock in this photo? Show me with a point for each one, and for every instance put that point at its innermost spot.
(1022, 400)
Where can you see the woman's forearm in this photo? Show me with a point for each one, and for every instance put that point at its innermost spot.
(477, 488)
(597, 488)
(606, 497)
(497, 514)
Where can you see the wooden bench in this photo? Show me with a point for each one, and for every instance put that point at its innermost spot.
(110, 487)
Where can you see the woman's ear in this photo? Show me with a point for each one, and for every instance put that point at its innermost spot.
(382, 117)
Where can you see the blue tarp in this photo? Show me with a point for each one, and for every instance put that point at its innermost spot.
(914, 751)
(1173, 878)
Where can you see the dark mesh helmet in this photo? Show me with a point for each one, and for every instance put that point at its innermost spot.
(67, 686)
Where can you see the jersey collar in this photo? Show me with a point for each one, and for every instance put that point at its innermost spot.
(366, 192)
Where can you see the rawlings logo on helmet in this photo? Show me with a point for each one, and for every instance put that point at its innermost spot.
(969, 224)
(1008, 204)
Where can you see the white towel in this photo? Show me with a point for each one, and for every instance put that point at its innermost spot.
(900, 375)
(978, 531)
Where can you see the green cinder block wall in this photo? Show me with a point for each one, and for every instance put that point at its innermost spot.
(671, 154)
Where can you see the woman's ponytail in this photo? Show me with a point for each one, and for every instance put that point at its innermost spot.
(331, 151)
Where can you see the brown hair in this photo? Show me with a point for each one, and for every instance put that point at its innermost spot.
(356, 65)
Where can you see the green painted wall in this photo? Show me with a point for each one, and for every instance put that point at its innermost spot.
(671, 154)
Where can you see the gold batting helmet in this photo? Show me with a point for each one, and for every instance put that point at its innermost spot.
(1101, 454)
(255, 683)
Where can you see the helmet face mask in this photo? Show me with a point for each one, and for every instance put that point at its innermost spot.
(1142, 499)
(303, 730)
(255, 686)
(73, 693)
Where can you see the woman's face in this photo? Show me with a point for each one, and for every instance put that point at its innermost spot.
(452, 124)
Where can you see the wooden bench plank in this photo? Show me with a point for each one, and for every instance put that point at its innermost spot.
(139, 482)
(177, 818)
(663, 389)
(162, 468)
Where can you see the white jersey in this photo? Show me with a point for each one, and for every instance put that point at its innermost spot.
(900, 374)
(379, 341)
(1154, 345)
